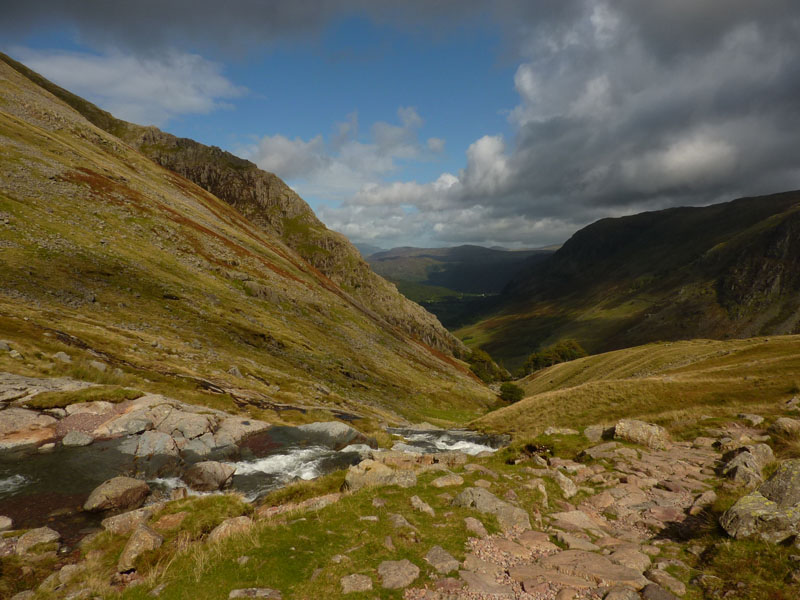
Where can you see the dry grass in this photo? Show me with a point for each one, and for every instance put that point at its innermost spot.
(670, 383)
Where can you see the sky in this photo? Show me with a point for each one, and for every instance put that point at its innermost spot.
(444, 122)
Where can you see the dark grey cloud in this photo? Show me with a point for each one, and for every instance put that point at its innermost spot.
(624, 105)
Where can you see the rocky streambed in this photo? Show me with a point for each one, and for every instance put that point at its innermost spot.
(52, 460)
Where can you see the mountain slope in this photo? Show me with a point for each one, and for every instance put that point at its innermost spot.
(726, 270)
(455, 284)
(672, 383)
(106, 254)
(266, 201)
(469, 269)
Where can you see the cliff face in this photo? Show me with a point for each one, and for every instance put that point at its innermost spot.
(266, 201)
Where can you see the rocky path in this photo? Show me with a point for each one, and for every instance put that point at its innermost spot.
(608, 546)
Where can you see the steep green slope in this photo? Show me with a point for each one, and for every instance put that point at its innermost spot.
(104, 253)
(726, 270)
(267, 202)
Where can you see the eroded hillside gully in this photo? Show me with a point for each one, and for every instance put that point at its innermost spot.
(52, 460)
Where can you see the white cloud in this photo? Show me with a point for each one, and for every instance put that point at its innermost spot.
(143, 90)
(346, 164)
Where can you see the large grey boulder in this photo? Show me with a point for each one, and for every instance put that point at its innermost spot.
(119, 493)
(209, 476)
(373, 473)
(639, 432)
(337, 434)
(771, 513)
(508, 516)
(142, 540)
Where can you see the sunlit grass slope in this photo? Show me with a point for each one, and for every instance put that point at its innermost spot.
(668, 383)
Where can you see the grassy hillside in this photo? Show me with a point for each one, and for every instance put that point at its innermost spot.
(726, 270)
(672, 383)
(106, 255)
(271, 206)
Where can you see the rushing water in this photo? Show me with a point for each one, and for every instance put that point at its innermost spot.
(50, 488)
(443, 440)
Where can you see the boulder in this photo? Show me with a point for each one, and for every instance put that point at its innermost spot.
(786, 427)
(338, 434)
(508, 516)
(5, 523)
(209, 476)
(34, 537)
(119, 493)
(639, 432)
(369, 473)
(142, 540)
(397, 574)
(229, 527)
(783, 487)
(77, 438)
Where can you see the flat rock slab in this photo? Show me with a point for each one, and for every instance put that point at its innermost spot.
(481, 583)
(355, 583)
(508, 516)
(593, 567)
(448, 480)
(441, 560)
(532, 576)
(397, 574)
(256, 593)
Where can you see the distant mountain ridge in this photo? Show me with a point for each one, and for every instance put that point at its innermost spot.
(725, 270)
(466, 268)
